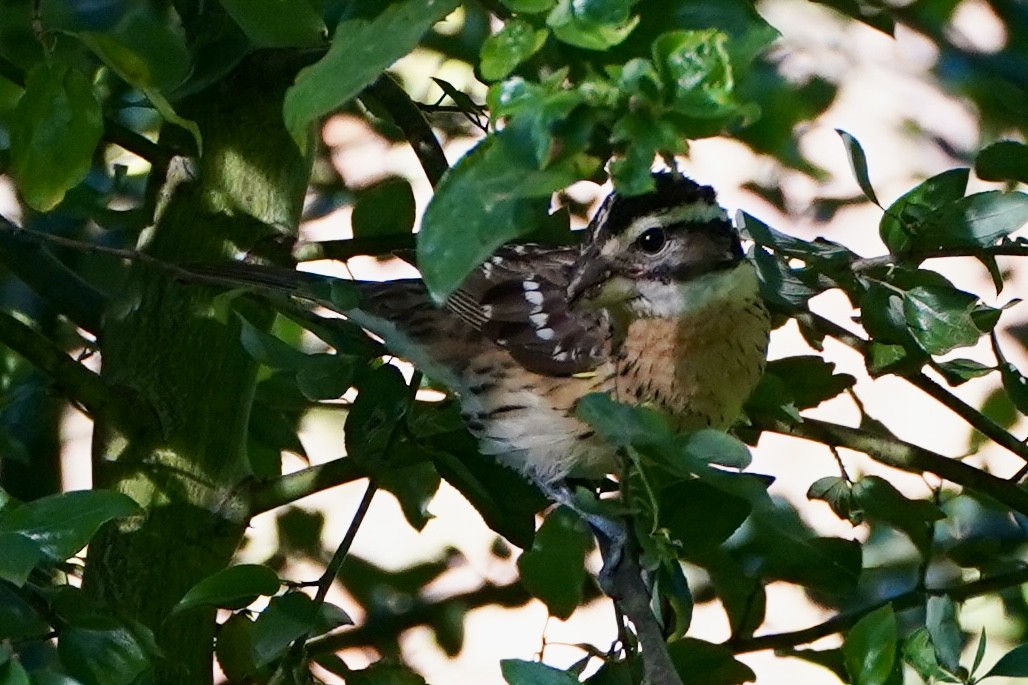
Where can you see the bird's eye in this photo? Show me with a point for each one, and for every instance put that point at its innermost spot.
(652, 240)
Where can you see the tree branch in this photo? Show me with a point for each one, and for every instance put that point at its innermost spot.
(79, 383)
(268, 495)
(907, 600)
(1002, 250)
(905, 456)
(975, 418)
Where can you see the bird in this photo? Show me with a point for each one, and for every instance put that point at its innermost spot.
(658, 306)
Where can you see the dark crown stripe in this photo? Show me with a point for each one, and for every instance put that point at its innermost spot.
(671, 191)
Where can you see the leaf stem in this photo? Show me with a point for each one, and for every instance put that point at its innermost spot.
(268, 495)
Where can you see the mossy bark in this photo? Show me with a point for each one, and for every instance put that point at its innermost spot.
(177, 346)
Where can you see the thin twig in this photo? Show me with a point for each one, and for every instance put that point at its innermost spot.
(1002, 250)
(268, 495)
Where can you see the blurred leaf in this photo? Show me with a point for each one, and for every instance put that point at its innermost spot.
(386, 208)
(828, 658)
(414, 488)
(13, 673)
(518, 672)
(144, 48)
(940, 318)
(372, 421)
(919, 652)
(62, 524)
(18, 556)
(622, 425)
(872, 14)
(18, 620)
(685, 508)
(742, 595)
(103, 651)
(554, 569)
(529, 6)
(1006, 160)
(54, 133)
(384, 673)
(870, 648)
(695, 68)
(705, 663)
(494, 194)
(503, 51)
(1013, 664)
(900, 222)
(717, 447)
(838, 493)
(944, 630)
(234, 648)
(880, 500)
(977, 220)
(325, 376)
(858, 164)
(268, 349)
(232, 588)
(278, 23)
(357, 56)
(592, 24)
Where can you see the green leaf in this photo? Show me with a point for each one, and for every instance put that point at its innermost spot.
(944, 629)
(685, 511)
(383, 673)
(704, 663)
(381, 403)
(62, 524)
(13, 673)
(278, 23)
(858, 164)
(1016, 386)
(870, 648)
(18, 619)
(494, 194)
(554, 569)
(358, 55)
(959, 371)
(18, 556)
(54, 132)
(232, 588)
(267, 349)
(145, 49)
(386, 208)
(518, 672)
(977, 220)
(622, 425)
(880, 500)
(325, 376)
(529, 6)
(919, 652)
(1013, 664)
(901, 221)
(286, 618)
(697, 72)
(810, 380)
(101, 650)
(838, 493)
(592, 24)
(414, 488)
(939, 318)
(1006, 160)
(717, 447)
(503, 51)
(234, 647)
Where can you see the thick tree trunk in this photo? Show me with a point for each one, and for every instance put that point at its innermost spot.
(177, 347)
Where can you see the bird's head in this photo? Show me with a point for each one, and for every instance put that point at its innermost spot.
(658, 254)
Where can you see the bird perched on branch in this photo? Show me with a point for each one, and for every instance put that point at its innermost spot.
(658, 306)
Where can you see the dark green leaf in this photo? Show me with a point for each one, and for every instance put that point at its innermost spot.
(810, 379)
(232, 588)
(900, 223)
(518, 672)
(18, 556)
(870, 648)
(325, 376)
(277, 24)
(592, 24)
(620, 424)
(1013, 664)
(234, 648)
(371, 424)
(145, 49)
(743, 596)
(383, 673)
(1006, 160)
(944, 629)
(13, 673)
(685, 508)
(529, 6)
(414, 487)
(828, 658)
(838, 493)
(286, 618)
(62, 524)
(503, 51)
(704, 663)
(103, 651)
(267, 349)
(919, 652)
(958, 371)
(939, 319)
(717, 447)
(54, 131)
(495, 193)
(830, 564)
(386, 208)
(554, 569)
(695, 69)
(779, 284)
(977, 220)
(357, 56)
(18, 620)
(1015, 384)
(858, 163)
(880, 500)
(979, 652)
